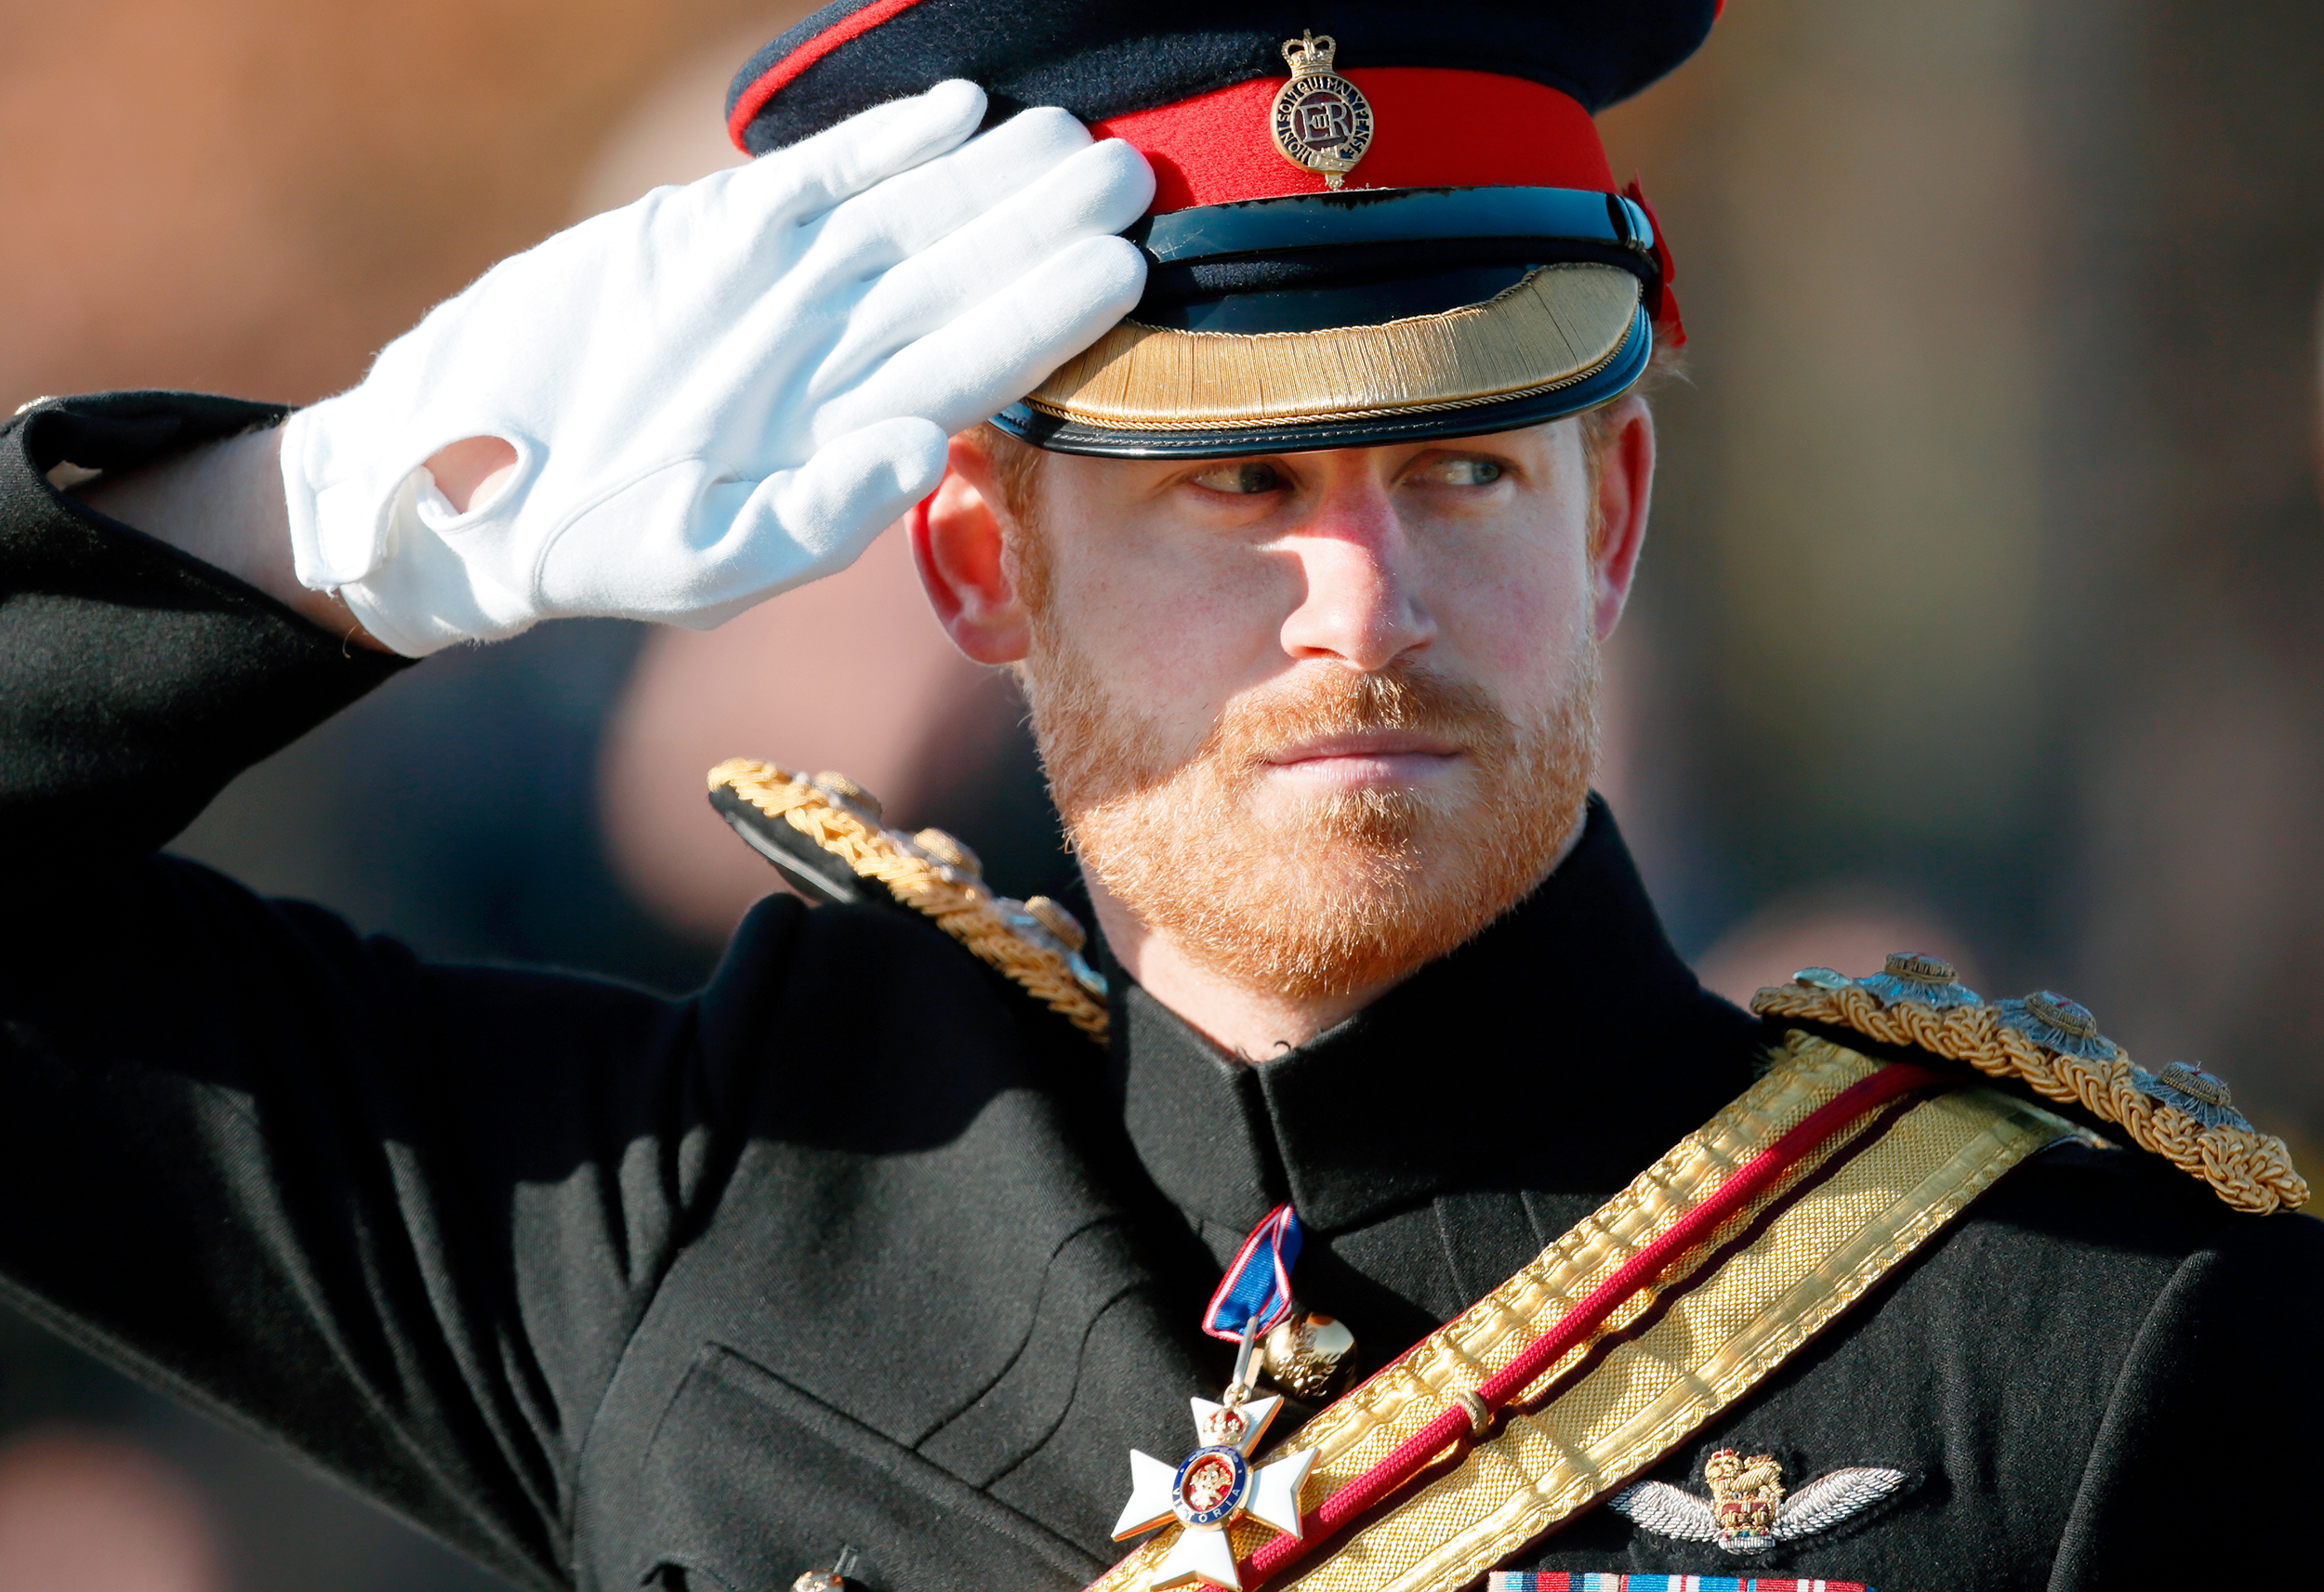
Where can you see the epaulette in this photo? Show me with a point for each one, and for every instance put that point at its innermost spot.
(2050, 1044)
(824, 834)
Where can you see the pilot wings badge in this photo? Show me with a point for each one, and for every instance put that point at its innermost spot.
(1748, 1510)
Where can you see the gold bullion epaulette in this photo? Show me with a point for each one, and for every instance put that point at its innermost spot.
(824, 833)
(2182, 1113)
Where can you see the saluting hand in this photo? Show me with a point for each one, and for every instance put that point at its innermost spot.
(722, 390)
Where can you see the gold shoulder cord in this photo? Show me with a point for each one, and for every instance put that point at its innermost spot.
(1037, 943)
(2163, 1114)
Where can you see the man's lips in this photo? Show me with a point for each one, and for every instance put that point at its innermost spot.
(1367, 744)
(1367, 758)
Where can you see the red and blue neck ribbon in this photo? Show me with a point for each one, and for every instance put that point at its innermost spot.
(1256, 1292)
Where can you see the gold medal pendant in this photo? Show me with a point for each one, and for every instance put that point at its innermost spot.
(1322, 121)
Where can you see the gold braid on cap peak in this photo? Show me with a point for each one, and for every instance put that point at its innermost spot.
(2050, 1044)
(1036, 943)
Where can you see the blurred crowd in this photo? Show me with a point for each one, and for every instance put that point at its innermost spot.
(1982, 614)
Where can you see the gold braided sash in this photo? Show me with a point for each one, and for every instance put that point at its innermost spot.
(1714, 1324)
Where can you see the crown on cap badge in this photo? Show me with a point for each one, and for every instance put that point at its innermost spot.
(1322, 121)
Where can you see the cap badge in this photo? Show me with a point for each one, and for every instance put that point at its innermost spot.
(1322, 121)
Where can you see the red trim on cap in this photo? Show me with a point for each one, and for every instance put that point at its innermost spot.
(854, 25)
(1664, 304)
(1433, 127)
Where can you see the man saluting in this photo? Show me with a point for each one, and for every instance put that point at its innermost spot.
(1267, 399)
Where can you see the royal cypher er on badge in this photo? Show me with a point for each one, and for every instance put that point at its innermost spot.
(1322, 121)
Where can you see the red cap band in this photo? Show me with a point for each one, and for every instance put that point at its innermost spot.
(1433, 127)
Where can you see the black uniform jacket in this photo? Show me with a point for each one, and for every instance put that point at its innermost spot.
(859, 1247)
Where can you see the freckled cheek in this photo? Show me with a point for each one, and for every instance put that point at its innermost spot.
(1177, 627)
(1517, 622)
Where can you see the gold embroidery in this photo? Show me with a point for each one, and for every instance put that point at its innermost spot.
(1668, 1362)
(1016, 938)
(2251, 1170)
(1558, 326)
(1745, 1496)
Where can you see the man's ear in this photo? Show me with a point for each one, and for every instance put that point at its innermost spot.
(1626, 480)
(956, 544)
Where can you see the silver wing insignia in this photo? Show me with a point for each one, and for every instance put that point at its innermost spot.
(1831, 1498)
(1666, 1511)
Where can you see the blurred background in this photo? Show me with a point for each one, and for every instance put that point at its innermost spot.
(1984, 613)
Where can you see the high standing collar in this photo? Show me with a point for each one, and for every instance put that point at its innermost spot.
(1565, 1048)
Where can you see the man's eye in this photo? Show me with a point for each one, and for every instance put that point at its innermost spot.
(1241, 478)
(1469, 472)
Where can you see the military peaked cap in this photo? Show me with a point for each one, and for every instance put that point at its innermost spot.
(1372, 222)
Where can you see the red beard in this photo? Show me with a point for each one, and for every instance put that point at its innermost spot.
(1354, 888)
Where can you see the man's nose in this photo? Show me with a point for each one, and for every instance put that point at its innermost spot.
(1359, 605)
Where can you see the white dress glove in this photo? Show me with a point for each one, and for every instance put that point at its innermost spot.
(722, 390)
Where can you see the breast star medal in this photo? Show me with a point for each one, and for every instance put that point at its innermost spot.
(1217, 1485)
(1321, 120)
(1211, 1490)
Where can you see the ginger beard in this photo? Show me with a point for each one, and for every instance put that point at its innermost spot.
(1306, 894)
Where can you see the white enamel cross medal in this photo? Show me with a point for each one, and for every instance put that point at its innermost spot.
(1214, 1487)
(1217, 1484)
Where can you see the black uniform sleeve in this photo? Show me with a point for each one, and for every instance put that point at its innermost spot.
(2196, 1472)
(135, 682)
(400, 1218)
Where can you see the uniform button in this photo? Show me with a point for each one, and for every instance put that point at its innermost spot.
(841, 789)
(2207, 1087)
(1922, 970)
(949, 851)
(1053, 916)
(2066, 1017)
